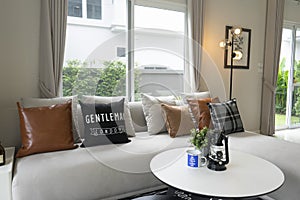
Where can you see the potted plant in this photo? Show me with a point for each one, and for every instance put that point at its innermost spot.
(199, 139)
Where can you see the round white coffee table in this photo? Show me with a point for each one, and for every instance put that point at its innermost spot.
(246, 175)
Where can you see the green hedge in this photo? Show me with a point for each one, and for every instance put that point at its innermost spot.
(281, 89)
(108, 80)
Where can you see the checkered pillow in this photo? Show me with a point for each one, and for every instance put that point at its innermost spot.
(225, 116)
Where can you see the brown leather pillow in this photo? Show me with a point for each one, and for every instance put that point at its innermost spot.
(45, 129)
(178, 120)
(201, 111)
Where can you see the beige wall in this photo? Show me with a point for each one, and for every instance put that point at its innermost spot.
(19, 27)
(19, 44)
(246, 83)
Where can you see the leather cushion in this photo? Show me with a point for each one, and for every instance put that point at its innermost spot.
(45, 129)
(28, 102)
(201, 111)
(178, 120)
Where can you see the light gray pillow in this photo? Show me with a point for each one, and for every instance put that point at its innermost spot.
(137, 115)
(28, 102)
(99, 99)
(195, 95)
(153, 112)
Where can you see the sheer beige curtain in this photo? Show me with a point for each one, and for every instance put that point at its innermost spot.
(274, 25)
(194, 45)
(52, 45)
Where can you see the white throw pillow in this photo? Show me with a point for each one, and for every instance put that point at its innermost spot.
(28, 102)
(99, 99)
(153, 112)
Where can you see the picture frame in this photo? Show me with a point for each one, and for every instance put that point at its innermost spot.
(241, 43)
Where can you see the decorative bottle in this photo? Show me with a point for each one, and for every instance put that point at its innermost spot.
(2, 155)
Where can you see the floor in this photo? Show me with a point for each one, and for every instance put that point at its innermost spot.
(292, 135)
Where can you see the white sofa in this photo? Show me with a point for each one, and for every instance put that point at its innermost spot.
(118, 171)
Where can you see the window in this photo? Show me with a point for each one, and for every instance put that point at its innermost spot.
(288, 82)
(90, 9)
(98, 58)
(75, 8)
(121, 52)
(159, 50)
(94, 9)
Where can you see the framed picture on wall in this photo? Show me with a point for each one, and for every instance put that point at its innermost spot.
(241, 48)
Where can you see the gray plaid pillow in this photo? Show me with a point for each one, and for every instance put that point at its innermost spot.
(226, 117)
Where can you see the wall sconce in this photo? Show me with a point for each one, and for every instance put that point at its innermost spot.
(237, 50)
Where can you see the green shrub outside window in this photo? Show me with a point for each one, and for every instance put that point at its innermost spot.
(108, 80)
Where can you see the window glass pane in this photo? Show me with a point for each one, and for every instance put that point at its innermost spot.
(94, 9)
(96, 56)
(159, 50)
(93, 64)
(154, 18)
(75, 8)
(295, 119)
(282, 80)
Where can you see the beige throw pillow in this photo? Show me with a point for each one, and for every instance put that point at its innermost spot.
(153, 112)
(178, 120)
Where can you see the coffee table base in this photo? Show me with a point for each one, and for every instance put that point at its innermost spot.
(176, 194)
(169, 197)
(185, 195)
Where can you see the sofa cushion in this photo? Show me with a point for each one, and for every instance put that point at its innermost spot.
(127, 116)
(178, 120)
(27, 102)
(45, 129)
(200, 111)
(195, 95)
(153, 112)
(226, 117)
(138, 117)
(104, 123)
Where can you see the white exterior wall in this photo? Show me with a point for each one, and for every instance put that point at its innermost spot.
(85, 35)
(83, 40)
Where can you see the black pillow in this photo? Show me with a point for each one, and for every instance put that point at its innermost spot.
(104, 123)
(226, 117)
